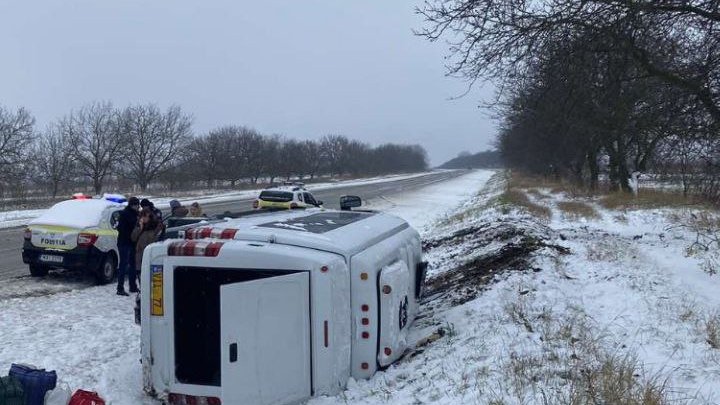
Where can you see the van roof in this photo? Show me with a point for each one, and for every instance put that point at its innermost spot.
(342, 232)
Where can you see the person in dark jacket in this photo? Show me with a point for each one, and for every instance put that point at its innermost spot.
(146, 204)
(126, 248)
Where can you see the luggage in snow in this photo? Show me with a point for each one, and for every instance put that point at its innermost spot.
(11, 391)
(82, 397)
(59, 396)
(35, 382)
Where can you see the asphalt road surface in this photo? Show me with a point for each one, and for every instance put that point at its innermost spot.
(12, 267)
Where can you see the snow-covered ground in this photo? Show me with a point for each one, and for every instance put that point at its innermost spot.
(607, 310)
(90, 338)
(518, 311)
(9, 219)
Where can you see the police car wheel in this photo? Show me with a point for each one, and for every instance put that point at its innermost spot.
(106, 272)
(38, 271)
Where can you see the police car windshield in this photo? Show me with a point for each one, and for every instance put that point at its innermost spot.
(276, 196)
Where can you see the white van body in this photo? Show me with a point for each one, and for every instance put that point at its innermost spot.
(277, 307)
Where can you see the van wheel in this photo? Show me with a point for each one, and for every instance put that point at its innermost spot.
(38, 271)
(106, 272)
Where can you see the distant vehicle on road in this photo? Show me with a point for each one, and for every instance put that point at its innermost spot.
(287, 196)
(77, 234)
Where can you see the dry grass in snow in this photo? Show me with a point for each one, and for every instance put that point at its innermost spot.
(569, 303)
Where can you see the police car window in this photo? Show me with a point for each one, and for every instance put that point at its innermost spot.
(300, 197)
(277, 196)
(114, 218)
(310, 199)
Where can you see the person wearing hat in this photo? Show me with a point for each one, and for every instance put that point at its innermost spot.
(146, 204)
(177, 210)
(126, 248)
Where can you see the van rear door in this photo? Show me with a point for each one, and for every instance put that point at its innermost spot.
(265, 329)
(393, 285)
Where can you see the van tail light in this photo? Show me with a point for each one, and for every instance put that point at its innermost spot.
(27, 234)
(194, 248)
(181, 399)
(256, 204)
(210, 233)
(86, 239)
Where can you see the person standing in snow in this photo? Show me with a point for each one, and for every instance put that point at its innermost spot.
(126, 248)
(145, 233)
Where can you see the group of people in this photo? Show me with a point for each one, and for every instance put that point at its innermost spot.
(139, 225)
(179, 211)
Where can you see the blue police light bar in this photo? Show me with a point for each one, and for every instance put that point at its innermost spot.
(116, 198)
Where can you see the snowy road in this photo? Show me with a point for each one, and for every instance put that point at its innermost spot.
(89, 337)
(12, 267)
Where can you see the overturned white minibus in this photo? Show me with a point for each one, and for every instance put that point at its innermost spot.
(275, 308)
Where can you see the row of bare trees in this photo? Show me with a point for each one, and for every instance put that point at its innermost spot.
(234, 153)
(143, 146)
(596, 88)
(99, 141)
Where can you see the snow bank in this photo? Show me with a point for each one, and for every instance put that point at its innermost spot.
(9, 219)
(423, 207)
(611, 303)
(88, 336)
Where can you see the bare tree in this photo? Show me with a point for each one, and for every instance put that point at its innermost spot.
(153, 138)
(207, 157)
(16, 134)
(270, 164)
(311, 163)
(675, 41)
(52, 158)
(332, 150)
(255, 155)
(97, 140)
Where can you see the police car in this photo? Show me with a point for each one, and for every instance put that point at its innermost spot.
(287, 196)
(77, 234)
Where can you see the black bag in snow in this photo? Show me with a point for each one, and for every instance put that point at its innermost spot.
(11, 391)
(35, 382)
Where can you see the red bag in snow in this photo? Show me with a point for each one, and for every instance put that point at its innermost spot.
(81, 397)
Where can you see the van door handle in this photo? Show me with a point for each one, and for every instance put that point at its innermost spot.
(233, 352)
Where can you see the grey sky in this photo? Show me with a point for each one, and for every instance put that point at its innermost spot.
(298, 68)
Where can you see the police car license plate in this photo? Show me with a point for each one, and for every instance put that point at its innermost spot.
(51, 258)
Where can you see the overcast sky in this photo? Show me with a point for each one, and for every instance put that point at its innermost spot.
(298, 68)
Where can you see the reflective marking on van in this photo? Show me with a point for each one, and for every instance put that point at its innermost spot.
(156, 293)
